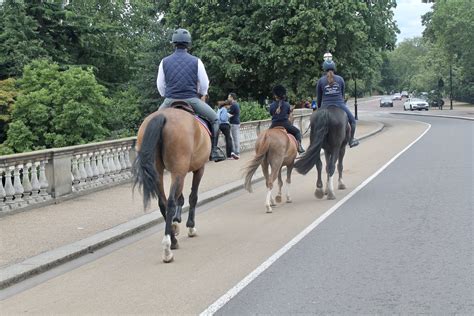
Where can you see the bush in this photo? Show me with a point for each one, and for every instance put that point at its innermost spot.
(126, 110)
(57, 108)
(8, 94)
(252, 111)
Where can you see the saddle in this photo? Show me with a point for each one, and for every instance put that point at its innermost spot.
(185, 106)
(290, 136)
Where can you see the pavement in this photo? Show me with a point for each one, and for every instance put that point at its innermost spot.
(235, 235)
(39, 239)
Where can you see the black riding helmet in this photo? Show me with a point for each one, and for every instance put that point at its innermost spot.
(181, 36)
(279, 91)
(329, 65)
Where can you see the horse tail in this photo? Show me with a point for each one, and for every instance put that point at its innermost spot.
(144, 169)
(252, 166)
(319, 130)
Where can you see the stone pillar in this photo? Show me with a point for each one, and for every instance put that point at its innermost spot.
(61, 182)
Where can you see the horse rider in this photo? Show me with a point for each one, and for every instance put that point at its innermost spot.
(330, 91)
(182, 76)
(280, 110)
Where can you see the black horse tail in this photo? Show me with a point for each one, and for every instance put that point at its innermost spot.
(319, 130)
(255, 162)
(144, 169)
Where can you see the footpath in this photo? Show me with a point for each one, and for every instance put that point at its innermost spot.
(37, 240)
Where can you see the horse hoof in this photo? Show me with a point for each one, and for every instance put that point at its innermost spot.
(269, 209)
(341, 186)
(175, 228)
(192, 232)
(169, 258)
(278, 198)
(331, 196)
(319, 193)
(174, 246)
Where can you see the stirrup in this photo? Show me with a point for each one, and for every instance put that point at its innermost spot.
(353, 142)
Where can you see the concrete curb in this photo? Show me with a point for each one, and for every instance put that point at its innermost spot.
(435, 115)
(48, 260)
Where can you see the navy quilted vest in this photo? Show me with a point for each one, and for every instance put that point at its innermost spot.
(181, 75)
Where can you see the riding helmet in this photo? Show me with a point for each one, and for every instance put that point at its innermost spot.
(279, 91)
(181, 36)
(329, 65)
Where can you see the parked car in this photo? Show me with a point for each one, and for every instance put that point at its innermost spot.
(415, 104)
(404, 94)
(386, 101)
(397, 96)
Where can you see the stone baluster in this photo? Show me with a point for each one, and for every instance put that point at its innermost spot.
(95, 170)
(18, 186)
(117, 164)
(35, 184)
(82, 172)
(43, 181)
(100, 167)
(123, 165)
(3, 206)
(87, 167)
(112, 167)
(105, 163)
(127, 156)
(9, 189)
(76, 175)
(27, 184)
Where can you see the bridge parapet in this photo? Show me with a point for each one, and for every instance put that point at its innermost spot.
(28, 180)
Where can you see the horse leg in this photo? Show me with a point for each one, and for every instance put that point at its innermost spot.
(275, 165)
(193, 198)
(161, 195)
(289, 169)
(319, 193)
(330, 169)
(342, 151)
(267, 179)
(169, 240)
(177, 216)
(280, 185)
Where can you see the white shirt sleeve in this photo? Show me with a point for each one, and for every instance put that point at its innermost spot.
(160, 80)
(203, 80)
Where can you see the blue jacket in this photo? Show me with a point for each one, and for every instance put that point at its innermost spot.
(284, 111)
(330, 94)
(181, 75)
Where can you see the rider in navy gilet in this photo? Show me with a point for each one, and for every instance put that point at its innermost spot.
(182, 76)
(330, 92)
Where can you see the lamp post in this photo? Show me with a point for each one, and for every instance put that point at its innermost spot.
(451, 86)
(355, 98)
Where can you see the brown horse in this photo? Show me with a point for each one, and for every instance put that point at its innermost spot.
(173, 140)
(275, 149)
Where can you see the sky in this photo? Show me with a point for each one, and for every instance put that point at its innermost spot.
(408, 16)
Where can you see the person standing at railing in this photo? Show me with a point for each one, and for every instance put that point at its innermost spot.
(234, 113)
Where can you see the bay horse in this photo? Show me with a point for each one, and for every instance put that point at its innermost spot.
(329, 130)
(171, 139)
(275, 149)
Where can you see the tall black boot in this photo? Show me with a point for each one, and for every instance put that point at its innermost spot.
(216, 154)
(353, 141)
(300, 148)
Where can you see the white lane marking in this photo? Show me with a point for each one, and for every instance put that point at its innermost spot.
(220, 302)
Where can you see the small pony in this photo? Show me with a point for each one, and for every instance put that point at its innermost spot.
(274, 148)
(171, 139)
(329, 130)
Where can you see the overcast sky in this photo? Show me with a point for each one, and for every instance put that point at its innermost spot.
(408, 16)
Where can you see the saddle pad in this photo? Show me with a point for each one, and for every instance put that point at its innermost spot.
(203, 124)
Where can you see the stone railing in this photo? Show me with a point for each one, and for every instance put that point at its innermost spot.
(39, 177)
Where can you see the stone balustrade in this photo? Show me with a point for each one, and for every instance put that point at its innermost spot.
(37, 177)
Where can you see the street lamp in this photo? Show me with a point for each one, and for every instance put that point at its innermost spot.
(355, 98)
(451, 85)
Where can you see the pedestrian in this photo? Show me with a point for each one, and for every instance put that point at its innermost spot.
(234, 120)
(182, 76)
(224, 127)
(280, 110)
(330, 92)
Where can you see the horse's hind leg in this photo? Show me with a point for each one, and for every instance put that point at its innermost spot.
(319, 193)
(330, 169)
(342, 151)
(177, 216)
(193, 198)
(169, 240)
(280, 185)
(289, 169)
(275, 165)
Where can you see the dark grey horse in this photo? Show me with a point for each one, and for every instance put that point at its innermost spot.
(330, 131)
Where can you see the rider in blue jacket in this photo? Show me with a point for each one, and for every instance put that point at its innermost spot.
(330, 91)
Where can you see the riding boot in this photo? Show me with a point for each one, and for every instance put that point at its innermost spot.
(300, 148)
(353, 141)
(216, 154)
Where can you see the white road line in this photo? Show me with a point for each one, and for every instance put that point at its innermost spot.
(214, 307)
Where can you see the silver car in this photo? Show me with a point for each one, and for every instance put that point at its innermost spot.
(415, 104)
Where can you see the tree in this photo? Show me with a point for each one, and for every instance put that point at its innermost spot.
(248, 46)
(57, 108)
(8, 94)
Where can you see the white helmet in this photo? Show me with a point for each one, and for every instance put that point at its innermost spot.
(327, 56)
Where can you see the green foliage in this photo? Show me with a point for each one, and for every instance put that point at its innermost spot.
(8, 94)
(248, 46)
(252, 111)
(127, 116)
(57, 108)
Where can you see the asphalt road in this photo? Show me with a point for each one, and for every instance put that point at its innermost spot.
(402, 245)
